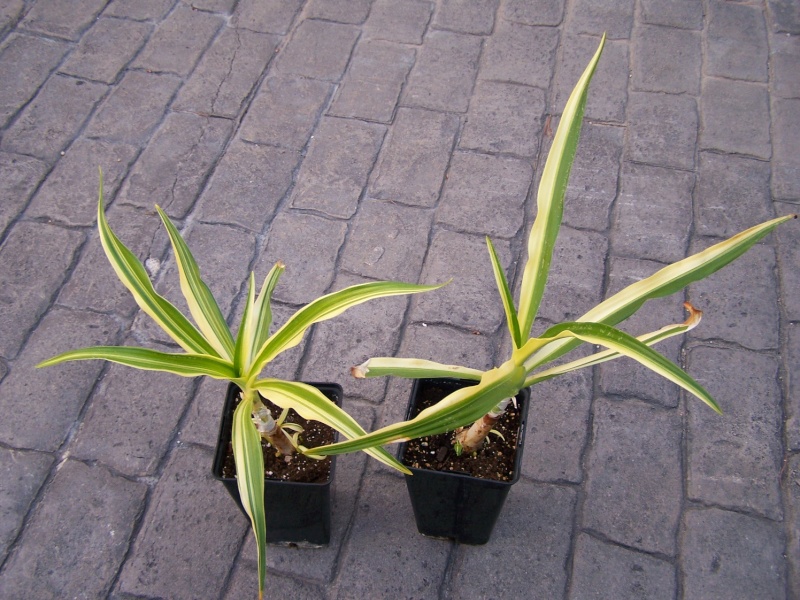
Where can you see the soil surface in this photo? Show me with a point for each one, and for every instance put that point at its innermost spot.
(495, 460)
(299, 468)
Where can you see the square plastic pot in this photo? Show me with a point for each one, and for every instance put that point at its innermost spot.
(455, 505)
(297, 513)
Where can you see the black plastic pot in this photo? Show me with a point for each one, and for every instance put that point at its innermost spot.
(297, 513)
(455, 505)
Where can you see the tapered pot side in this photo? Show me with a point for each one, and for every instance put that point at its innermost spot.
(454, 505)
(296, 512)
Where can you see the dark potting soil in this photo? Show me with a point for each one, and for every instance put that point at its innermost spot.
(299, 468)
(494, 460)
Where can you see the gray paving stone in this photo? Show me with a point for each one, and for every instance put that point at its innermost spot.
(188, 508)
(575, 283)
(735, 118)
(536, 12)
(93, 284)
(25, 63)
(134, 108)
(737, 42)
(740, 302)
(319, 50)
(615, 17)
(447, 346)
(284, 111)
(364, 331)
(662, 129)
(444, 73)
(201, 424)
(142, 10)
(785, 54)
(732, 194)
(176, 163)
(341, 11)
(245, 579)
(520, 54)
(732, 556)
(786, 163)
(53, 397)
(745, 475)
(626, 377)
(415, 154)
(533, 529)
(792, 488)
(470, 300)
(557, 427)
(666, 59)
(24, 473)
(10, 12)
(169, 51)
(485, 194)
(634, 487)
(609, 90)
(105, 49)
(131, 420)
(52, 119)
(686, 14)
(59, 19)
(331, 181)
(417, 563)
(227, 73)
(83, 524)
(788, 249)
(504, 117)
(373, 81)
(602, 570)
(403, 22)
(19, 176)
(784, 16)
(69, 194)
(266, 16)
(387, 240)
(466, 16)
(309, 246)
(34, 260)
(792, 357)
(653, 213)
(247, 185)
(593, 181)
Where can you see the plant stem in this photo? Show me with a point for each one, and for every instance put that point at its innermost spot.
(472, 438)
(271, 431)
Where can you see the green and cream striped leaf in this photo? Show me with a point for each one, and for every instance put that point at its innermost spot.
(627, 345)
(606, 355)
(327, 307)
(201, 302)
(505, 295)
(185, 365)
(263, 308)
(463, 406)
(412, 368)
(312, 404)
(244, 338)
(667, 281)
(249, 461)
(133, 276)
(550, 199)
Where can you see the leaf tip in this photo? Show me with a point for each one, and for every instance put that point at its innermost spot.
(695, 314)
(360, 371)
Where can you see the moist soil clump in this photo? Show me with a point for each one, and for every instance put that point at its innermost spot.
(300, 468)
(494, 460)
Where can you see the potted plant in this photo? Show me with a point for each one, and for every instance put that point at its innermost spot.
(210, 349)
(469, 411)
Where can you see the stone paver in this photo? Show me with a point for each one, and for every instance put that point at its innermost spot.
(365, 140)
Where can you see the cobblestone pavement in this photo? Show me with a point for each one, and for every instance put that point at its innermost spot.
(365, 139)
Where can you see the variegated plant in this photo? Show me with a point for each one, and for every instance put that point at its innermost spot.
(483, 403)
(210, 349)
